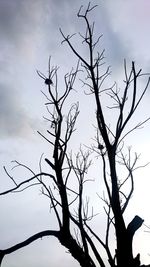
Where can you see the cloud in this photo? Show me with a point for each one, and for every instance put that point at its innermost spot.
(21, 27)
(13, 120)
(30, 33)
(19, 18)
(130, 21)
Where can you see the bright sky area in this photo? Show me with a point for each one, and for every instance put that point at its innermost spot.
(29, 33)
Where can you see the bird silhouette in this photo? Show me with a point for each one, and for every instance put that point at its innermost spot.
(48, 81)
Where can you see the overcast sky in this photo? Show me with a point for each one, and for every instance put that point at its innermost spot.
(29, 34)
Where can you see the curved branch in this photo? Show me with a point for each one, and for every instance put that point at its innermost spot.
(27, 242)
(24, 182)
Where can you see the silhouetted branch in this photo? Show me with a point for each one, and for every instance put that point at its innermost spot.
(68, 172)
(27, 242)
(24, 182)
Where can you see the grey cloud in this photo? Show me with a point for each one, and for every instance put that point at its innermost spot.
(17, 18)
(116, 49)
(17, 25)
(13, 120)
(20, 20)
(64, 11)
(11, 20)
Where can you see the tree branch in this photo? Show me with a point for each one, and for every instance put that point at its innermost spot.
(24, 182)
(27, 242)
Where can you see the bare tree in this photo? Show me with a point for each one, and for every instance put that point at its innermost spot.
(71, 209)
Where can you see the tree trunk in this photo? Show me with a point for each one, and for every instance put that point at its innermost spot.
(1, 257)
(76, 251)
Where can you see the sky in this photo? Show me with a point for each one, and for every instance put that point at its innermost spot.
(29, 34)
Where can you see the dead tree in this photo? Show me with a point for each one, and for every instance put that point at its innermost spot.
(75, 231)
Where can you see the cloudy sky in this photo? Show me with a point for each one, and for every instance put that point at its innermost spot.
(29, 34)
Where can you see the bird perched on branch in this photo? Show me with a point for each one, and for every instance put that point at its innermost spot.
(48, 81)
(100, 146)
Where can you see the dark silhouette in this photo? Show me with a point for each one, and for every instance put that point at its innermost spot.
(72, 211)
(48, 81)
